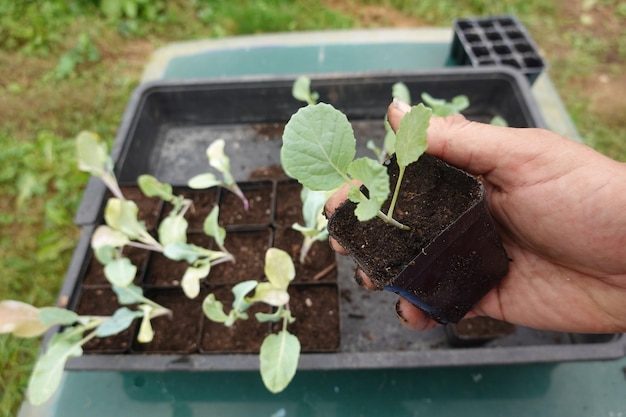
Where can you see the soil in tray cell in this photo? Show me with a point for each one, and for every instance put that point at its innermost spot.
(94, 275)
(149, 207)
(288, 204)
(260, 197)
(203, 202)
(248, 248)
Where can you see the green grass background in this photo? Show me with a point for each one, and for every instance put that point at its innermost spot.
(69, 65)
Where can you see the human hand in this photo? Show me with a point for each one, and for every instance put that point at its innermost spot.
(560, 209)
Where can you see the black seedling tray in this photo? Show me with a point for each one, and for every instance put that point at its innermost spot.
(166, 129)
(500, 40)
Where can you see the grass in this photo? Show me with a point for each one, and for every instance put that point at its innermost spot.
(65, 66)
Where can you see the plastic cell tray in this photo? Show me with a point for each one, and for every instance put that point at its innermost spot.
(500, 40)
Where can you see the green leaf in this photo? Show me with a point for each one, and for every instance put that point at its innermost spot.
(279, 357)
(318, 146)
(21, 319)
(269, 294)
(219, 160)
(212, 228)
(120, 321)
(499, 121)
(107, 236)
(411, 135)
(121, 215)
(120, 272)
(442, 108)
(312, 206)
(214, 309)
(240, 291)
(301, 90)
(92, 153)
(401, 91)
(375, 178)
(131, 294)
(190, 282)
(173, 229)
(55, 315)
(48, 370)
(151, 187)
(202, 181)
(279, 268)
(185, 252)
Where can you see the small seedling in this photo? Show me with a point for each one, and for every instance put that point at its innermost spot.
(280, 351)
(220, 161)
(314, 228)
(319, 148)
(301, 90)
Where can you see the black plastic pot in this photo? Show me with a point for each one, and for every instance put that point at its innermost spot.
(497, 40)
(446, 272)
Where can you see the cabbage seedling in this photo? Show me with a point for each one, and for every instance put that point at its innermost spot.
(319, 150)
(314, 228)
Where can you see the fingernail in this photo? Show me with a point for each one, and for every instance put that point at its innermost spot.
(401, 105)
(357, 277)
(399, 312)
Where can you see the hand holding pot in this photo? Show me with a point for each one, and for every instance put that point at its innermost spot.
(560, 208)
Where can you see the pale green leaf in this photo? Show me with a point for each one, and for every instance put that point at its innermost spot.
(185, 252)
(146, 333)
(120, 272)
(318, 146)
(107, 236)
(120, 321)
(173, 229)
(21, 319)
(218, 159)
(279, 357)
(152, 187)
(411, 135)
(48, 371)
(312, 205)
(269, 317)
(366, 209)
(55, 315)
(401, 91)
(212, 228)
(240, 291)
(190, 282)
(279, 268)
(390, 139)
(121, 215)
(214, 309)
(106, 254)
(301, 90)
(131, 294)
(91, 153)
(202, 181)
(499, 121)
(269, 294)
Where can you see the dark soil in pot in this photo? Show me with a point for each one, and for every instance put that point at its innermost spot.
(288, 204)
(429, 264)
(203, 202)
(248, 248)
(179, 333)
(244, 336)
(149, 207)
(260, 196)
(319, 265)
(103, 302)
(94, 275)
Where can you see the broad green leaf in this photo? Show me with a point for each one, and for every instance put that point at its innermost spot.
(202, 181)
(120, 321)
(401, 91)
(120, 272)
(301, 90)
(279, 268)
(107, 236)
(106, 254)
(146, 333)
(131, 294)
(374, 177)
(151, 187)
(279, 357)
(121, 215)
(269, 294)
(185, 252)
(190, 282)
(55, 315)
(214, 309)
(21, 319)
(240, 291)
(212, 228)
(173, 229)
(411, 135)
(92, 153)
(48, 370)
(318, 146)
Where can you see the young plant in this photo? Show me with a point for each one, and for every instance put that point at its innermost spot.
(26, 321)
(301, 90)
(280, 351)
(220, 161)
(319, 150)
(314, 228)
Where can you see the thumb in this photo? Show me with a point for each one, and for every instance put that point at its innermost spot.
(474, 147)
